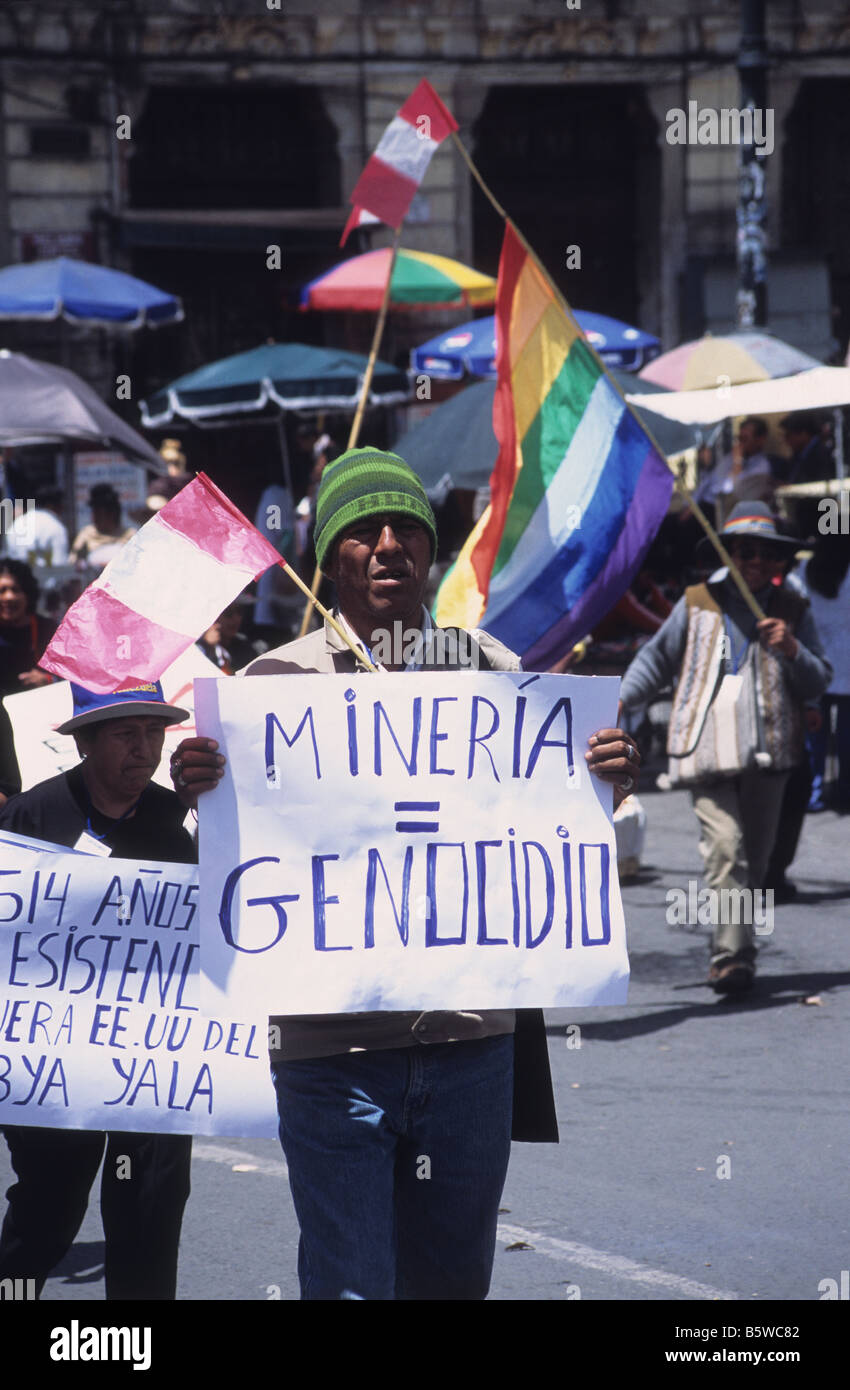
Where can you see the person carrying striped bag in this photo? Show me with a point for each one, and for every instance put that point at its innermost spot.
(736, 727)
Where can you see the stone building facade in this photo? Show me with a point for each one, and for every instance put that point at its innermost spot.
(247, 122)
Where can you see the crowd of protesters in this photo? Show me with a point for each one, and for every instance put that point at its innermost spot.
(483, 1077)
(753, 702)
(751, 470)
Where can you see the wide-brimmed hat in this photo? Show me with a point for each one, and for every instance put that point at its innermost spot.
(92, 707)
(749, 519)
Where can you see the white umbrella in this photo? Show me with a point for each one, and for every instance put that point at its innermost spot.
(818, 388)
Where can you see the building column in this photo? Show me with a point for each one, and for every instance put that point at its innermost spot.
(341, 104)
(468, 98)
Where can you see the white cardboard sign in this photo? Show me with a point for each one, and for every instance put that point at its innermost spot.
(100, 1026)
(408, 841)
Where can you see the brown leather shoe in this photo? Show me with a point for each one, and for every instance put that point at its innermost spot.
(732, 976)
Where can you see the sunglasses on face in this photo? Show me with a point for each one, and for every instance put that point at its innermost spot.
(755, 550)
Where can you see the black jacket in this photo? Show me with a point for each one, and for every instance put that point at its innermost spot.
(58, 810)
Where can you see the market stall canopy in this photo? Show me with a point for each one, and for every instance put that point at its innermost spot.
(823, 487)
(820, 388)
(292, 376)
(726, 361)
(87, 294)
(420, 281)
(471, 347)
(455, 445)
(43, 404)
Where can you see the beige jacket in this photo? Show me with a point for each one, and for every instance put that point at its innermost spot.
(326, 652)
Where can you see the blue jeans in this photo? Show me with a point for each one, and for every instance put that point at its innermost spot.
(397, 1160)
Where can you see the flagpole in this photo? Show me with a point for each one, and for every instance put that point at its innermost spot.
(746, 593)
(329, 617)
(358, 417)
(376, 342)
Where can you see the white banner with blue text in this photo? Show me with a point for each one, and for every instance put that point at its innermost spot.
(100, 1025)
(408, 841)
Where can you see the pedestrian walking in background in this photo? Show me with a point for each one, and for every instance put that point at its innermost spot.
(827, 583)
(795, 799)
(736, 728)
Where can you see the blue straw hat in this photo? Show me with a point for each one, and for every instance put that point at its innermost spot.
(91, 707)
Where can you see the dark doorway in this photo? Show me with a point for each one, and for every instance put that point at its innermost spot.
(572, 166)
(225, 147)
(261, 149)
(816, 185)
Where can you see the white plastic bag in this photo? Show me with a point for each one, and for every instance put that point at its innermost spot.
(630, 830)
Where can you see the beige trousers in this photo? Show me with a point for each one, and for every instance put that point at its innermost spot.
(738, 821)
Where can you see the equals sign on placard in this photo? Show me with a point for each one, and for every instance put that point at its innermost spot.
(407, 827)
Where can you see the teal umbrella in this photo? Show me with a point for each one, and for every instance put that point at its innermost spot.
(292, 376)
(457, 441)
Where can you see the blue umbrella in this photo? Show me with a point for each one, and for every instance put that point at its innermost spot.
(83, 294)
(472, 347)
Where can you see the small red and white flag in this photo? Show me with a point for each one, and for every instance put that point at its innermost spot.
(358, 217)
(394, 172)
(161, 592)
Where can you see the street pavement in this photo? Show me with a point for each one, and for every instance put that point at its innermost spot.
(662, 1097)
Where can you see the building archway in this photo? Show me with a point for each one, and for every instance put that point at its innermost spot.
(199, 151)
(574, 165)
(233, 147)
(816, 186)
(218, 180)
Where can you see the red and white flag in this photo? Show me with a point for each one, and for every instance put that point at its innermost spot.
(396, 169)
(161, 592)
(358, 217)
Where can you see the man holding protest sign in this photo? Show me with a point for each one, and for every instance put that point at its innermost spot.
(397, 1126)
(108, 805)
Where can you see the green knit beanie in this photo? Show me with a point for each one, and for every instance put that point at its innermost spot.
(363, 483)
